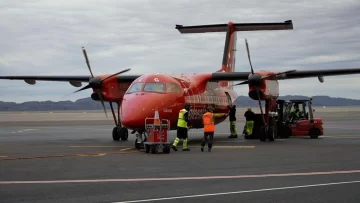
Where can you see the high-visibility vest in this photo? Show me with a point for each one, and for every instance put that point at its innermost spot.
(181, 119)
(208, 121)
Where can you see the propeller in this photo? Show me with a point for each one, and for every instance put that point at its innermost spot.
(96, 82)
(255, 80)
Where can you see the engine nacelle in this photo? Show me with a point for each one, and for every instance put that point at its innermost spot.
(269, 89)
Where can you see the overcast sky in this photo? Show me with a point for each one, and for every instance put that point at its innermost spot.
(44, 37)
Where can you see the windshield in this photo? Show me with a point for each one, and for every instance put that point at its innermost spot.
(170, 87)
(136, 87)
(154, 87)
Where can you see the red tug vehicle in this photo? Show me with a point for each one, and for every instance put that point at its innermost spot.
(282, 122)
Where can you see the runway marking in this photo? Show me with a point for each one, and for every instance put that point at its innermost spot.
(180, 178)
(242, 191)
(66, 155)
(234, 147)
(3, 156)
(126, 149)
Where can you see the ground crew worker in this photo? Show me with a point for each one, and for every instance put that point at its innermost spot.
(295, 114)
(182, 128)
(209, 127)
(232, 119)
(249, 125)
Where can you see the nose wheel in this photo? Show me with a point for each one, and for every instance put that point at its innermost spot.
(118, 132)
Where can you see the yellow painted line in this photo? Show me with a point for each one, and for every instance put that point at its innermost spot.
(3, 156)
(126, 149)
(234, 146)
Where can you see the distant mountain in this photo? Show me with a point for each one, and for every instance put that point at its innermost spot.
(89, 104)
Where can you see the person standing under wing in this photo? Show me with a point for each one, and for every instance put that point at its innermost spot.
(232, 119)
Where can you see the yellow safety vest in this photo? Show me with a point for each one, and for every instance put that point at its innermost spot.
(181, 120)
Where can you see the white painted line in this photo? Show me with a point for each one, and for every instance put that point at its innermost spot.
(180, 178)
(239, 192)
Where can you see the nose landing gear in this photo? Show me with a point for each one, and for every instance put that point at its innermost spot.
(118, 132)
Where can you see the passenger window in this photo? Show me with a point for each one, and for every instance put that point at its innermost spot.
(170, 87)
(154, 87)
(136, 87)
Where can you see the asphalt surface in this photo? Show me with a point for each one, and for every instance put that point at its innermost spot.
(81, 163)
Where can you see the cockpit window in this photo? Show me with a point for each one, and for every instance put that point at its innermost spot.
(136, 87)
(154, 87)
(170, 87)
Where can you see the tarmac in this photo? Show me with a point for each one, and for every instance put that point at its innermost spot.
(71, 157)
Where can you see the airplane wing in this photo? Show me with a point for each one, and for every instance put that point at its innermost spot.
(73, 80)
(296, 74)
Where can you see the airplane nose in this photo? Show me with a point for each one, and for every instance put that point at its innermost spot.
(135, 108)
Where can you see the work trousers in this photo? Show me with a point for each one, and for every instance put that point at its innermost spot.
(249, 127)
(205, 139)
(182, 133)
(233, 128)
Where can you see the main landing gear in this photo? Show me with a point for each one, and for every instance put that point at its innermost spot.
(118, 132)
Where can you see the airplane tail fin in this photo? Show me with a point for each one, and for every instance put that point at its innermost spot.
(228, 62)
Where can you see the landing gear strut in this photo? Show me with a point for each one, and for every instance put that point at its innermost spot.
(141, 137)
(118, 132)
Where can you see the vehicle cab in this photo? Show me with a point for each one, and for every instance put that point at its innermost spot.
(298, 116)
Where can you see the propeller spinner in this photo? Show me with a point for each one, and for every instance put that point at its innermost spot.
(96, 82)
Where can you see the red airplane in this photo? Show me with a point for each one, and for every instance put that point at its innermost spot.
(138, 96)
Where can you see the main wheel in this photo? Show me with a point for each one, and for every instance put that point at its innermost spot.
(263, 134)
(124, 133)
(271, 134)
(115, 134)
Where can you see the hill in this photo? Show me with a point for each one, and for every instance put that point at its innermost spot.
(89, 104)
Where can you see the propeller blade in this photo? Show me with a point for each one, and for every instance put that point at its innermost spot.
(84, 88)
(87, 61)
(242, 83)
(289, 71)
(248, 53)
(102, 101)
(123, 71)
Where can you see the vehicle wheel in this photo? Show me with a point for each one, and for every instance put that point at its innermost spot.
(271, 134)
(262, 135)
(124, 133)
(137, 145)
(314, 133)
(115, 134)
(153, 149)
(147, 148)
(166, 150)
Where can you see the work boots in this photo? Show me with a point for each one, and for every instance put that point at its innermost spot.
(233, 136)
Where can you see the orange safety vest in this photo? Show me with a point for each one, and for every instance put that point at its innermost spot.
(208, 121)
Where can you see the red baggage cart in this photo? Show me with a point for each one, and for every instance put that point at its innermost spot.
(157, 139)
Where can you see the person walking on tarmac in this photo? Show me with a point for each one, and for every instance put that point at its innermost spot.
(232, 118)
(209, 127)
(249, 125)
(182, 128)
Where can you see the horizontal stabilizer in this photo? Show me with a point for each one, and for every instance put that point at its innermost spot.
(287, 25)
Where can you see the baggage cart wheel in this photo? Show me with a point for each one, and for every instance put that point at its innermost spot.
(153, 149)
(147, 148)
(166, 149)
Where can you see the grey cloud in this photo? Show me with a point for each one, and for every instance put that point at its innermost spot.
(45, 37)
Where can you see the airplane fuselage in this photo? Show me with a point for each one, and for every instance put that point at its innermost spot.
(168, 94)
